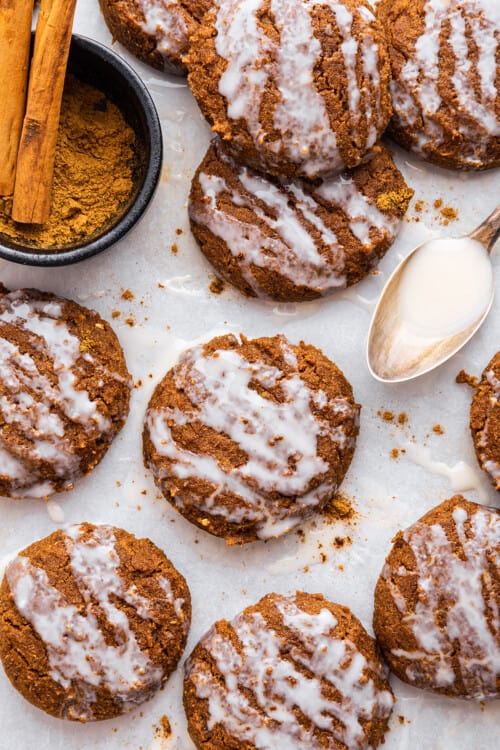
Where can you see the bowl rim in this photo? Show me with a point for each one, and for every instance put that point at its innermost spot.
(146, 191)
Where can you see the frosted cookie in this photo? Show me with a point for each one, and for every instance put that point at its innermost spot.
(64, 392)
(485, 420)
(445, 57)
(102, 617)
(293, 241)
(290, 672)
(155, 31)
(294, 87)
(437, 602)
(247, 439)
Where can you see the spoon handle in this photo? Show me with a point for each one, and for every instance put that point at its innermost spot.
(489, 231)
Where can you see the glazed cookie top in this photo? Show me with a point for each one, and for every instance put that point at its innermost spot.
(64, 392)
(295, 87)
(437, 601)
(248, 438)
(445, 58)
(170, 22)
(294, 672)
(103, 615)
(485, 420)
(295, 240)
(156, 31)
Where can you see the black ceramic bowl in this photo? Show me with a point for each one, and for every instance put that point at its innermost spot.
(95, 64)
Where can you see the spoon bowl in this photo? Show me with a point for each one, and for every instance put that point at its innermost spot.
(433, 303)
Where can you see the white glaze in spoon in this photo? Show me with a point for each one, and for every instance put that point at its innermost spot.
(433, 303)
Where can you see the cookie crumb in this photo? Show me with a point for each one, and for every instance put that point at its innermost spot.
(130, 322)
(216, 285)
(174, 248)
(164, 727)
(464, 377)
(340, 506)
(387, 416)
(449, 214)
(395, 453)
(402, 418)
(438, 429)
(341, 541)
(395, 201)
(127, 294)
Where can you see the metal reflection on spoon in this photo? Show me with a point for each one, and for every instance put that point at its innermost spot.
(433, 303)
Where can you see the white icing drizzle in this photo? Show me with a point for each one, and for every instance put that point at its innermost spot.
(279, 438)
(415, 91)
(177, 603)
(164, 20)
(279, 688)
(300, 114)
(294, 254)
(363, 213)
(489, 464)
(10, 467)
(291, 213)
(34, 414)
(80, 657)
(461, 644)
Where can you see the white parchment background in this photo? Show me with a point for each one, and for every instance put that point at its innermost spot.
(387, 494)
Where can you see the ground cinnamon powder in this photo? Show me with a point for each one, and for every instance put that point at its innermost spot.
(93, 174)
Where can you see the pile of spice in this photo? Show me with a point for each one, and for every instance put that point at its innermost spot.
(93, 173)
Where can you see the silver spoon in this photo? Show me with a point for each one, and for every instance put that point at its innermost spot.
(399, 349)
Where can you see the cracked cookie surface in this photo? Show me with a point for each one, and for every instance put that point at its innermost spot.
(64, 392)
(437, 601)
(249, 438)
(296, 88)
(291, 671)
(92, 622)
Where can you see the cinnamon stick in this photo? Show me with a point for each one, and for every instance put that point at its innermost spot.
(35, 161)
(15, 37)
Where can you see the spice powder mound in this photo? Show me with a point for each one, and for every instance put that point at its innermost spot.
(93, 171)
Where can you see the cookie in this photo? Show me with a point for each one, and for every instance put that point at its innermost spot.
(92, 622)
(485, 421)
(249, 438)
(437, 602)
(64, 392)
(155, 31)
(291, 671)
(445, 60)
(294, 240)
(296, 88)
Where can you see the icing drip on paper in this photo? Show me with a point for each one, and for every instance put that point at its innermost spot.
(164, 20)
(279, 437)
(278, 686)
(416, 90)
(465, 583)
(293, 216)
(80, 657)
(300, 115)
(33, 405)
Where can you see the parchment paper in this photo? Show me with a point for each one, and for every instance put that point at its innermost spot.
(172, 307)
